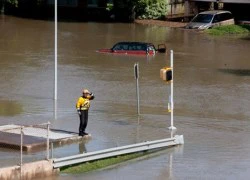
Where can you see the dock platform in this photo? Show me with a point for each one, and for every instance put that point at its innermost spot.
(35, 138)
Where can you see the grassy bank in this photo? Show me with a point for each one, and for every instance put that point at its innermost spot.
(91, 166)
(230, 29)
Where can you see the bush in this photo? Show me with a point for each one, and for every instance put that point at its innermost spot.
(230, 29)
(150, 9)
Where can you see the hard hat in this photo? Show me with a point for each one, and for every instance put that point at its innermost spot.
(85, 91)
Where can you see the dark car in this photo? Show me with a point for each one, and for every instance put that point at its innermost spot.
(134, 48)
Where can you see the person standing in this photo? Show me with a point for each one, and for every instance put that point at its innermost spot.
(82, 107)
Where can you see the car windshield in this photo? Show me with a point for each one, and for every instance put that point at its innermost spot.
(203, 18)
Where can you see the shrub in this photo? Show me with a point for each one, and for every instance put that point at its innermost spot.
(230, 29)
(150, 9)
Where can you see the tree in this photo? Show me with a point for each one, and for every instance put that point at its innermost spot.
(150, 9)
(16, 2)
(13, 2)
(142, 9)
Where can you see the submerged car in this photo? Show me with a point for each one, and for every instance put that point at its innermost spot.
(209, 19)
(134, 48)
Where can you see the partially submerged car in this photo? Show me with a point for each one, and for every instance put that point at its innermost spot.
(134, 48)
(209, 19)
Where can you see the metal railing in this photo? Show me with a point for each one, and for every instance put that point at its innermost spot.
(23, 144)
(149, 145)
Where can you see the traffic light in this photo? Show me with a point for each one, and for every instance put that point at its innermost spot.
(166, 74)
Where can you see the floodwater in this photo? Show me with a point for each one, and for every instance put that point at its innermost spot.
(211, 95)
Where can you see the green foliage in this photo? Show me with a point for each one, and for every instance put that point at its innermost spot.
(9, 108)
(230, 29)
(40, 2)
(110, 6)
(13, 2)
(145, 9)
(150, 9)
(90, 166)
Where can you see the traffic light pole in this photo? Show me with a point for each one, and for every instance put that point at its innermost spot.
(172, 91)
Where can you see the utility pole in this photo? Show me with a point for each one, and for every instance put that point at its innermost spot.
(167, 74)
(55, 87)
(172, 90)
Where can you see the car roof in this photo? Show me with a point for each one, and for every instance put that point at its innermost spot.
(126, 42)
(215, 12)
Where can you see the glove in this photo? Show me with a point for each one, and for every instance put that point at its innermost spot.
(79, 112)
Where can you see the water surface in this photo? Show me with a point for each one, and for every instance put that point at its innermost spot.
(211, 94)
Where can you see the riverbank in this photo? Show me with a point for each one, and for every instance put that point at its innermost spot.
(230, 29)
(161, 23)
(221, 30)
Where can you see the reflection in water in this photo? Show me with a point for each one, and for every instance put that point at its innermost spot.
(55, 109)
(169, 173)
(172, 132)
(238, 72)
(170, 165)
(10, 108)
(82, 147)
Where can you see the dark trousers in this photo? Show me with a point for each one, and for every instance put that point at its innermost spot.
(83, 122)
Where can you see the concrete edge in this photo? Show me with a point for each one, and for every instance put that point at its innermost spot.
(32, 170)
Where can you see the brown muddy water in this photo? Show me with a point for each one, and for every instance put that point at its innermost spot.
(211, 94)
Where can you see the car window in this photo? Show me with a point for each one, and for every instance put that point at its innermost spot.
(117, 47)
(225, 16)
(203, 18)
(139, 47)
(216, 18)
(120, 46)
(222, 17)
(125, 47)
(144, 47)
(136, 47)
(132, 47)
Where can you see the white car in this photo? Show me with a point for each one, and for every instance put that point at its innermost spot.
(209, 19)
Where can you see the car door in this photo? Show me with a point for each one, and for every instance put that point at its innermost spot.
(226, 19)
(216, 20)
(223, 19)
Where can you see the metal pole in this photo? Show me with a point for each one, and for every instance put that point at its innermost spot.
(136, 69)
(21, 151)
(137, 89)
(52, 150)
(55, 88)
(172, 90)
(48, 140)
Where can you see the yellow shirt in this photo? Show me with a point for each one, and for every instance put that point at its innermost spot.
(83, 104)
